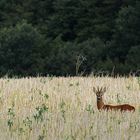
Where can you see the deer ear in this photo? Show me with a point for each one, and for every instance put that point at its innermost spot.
(94, 89)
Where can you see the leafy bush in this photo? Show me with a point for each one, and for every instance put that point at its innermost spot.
(20, 49)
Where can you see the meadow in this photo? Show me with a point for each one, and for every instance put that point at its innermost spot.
(64, 108)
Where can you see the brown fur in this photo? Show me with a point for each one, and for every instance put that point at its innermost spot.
(102, 106)
(124, 107)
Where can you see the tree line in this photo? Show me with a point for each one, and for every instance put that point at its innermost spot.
(69, 37)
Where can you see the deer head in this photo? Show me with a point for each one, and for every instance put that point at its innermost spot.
(99, 92)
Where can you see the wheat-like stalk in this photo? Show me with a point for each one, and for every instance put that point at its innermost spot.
(65, 109)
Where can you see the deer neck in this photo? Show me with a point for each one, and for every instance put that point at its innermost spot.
(100, 103)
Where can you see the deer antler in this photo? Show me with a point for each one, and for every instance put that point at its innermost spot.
(101, 89)
(104, 89)
(98, 89)
(100, 104)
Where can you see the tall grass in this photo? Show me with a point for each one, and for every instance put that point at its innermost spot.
(65, 109)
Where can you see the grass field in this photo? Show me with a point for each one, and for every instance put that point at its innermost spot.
(65, 109)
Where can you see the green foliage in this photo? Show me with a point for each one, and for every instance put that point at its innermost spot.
(62, 108)
(40, 112)
(93, 50)
(11, 115)
(105, 33)
(90, 109)
(126, 34)
(81, 19)
(28, 123)
(20, 49)
(133, 57)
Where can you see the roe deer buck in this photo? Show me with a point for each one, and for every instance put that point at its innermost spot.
(102, 106)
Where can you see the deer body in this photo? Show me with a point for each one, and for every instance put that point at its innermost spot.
(124, 107)
(102, 106)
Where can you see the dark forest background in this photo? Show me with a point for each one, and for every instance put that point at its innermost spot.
(69, 37)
